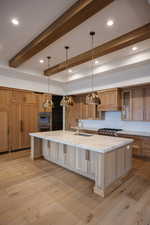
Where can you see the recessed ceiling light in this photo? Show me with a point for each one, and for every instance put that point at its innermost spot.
(15, 21)
(110, 23)
(41, 61)
(134, 48)
(96, 62)
(70, 71)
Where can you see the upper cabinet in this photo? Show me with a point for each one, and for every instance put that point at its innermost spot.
(136, 104)
(146, 103)
(81, 111)
(126, 104)
(110, 100)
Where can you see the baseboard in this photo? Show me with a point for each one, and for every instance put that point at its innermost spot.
(15, 150)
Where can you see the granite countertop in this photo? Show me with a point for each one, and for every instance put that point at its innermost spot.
(98, 143)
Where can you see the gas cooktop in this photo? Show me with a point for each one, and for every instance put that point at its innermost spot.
(108, 131)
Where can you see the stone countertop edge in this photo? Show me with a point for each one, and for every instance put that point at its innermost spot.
(104, 150)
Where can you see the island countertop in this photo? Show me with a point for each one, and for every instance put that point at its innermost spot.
(97, 143)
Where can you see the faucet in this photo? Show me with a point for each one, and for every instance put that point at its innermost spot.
(80, 126)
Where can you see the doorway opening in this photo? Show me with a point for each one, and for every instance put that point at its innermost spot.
(57, 113)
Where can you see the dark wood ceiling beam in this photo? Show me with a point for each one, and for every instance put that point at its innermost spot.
(74, 16)
(140, 34)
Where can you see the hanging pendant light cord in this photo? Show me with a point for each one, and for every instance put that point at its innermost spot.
(48, 81)
(92, 33)
(67, 49)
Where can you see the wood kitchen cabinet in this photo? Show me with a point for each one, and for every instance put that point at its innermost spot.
(15, 127)
(4, 128)
(85, 162)
(75, 159)
(141, 145)
(136, 103)
(146, 108)
(110, 100)
(4, 119)
(126, 105)
(29, 121)
(81, 111)
(18, 117)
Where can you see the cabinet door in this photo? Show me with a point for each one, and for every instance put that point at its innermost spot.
(46, 149)
(81, 162)
(146, 147)
(15, 127)
(110, 100)
(137, 104)
(126, 105)
(91, 159)
(61, 154)
(54, 148)
(5, 96)
(28, 122)
(147, 103)
(72, 113)
(70, 157)
(4, 135)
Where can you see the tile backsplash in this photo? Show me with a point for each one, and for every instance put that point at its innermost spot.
(113, 120)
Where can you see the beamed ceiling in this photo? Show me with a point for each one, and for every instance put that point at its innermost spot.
(47, 26)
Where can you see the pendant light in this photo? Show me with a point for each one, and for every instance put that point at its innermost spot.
(48, 103)
(93, 97)
(66, 100)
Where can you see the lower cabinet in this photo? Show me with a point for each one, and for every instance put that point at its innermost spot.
(85, 162)
(141, 145)
(76, 159)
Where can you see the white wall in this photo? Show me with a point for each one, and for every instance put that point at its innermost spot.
(15, 79)
(113, 120)
(135, 74)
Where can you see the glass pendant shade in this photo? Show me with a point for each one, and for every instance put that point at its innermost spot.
(48, 102)
(66, 101)
(93, 98)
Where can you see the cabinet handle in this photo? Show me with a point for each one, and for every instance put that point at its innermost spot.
(21, 126)
(8, 131)
(87, 155)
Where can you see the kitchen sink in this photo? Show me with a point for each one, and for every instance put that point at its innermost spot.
(83, 134)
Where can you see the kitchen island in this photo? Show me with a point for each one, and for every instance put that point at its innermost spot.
(106, 160)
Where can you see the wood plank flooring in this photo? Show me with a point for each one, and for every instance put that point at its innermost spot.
(42, 193)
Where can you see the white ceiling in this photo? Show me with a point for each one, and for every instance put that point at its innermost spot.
(36, 15)
(124, 56)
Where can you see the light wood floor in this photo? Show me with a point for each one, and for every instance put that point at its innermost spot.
(42, 193)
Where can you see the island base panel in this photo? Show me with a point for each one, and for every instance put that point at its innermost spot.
(36, 148)
(111, 169)
(106, 169)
